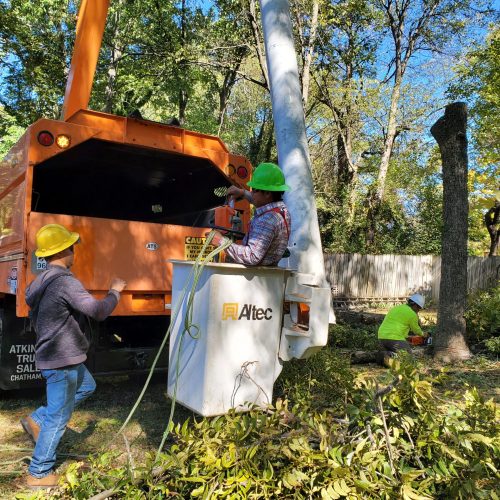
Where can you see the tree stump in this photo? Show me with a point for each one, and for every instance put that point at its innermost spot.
(450, 132)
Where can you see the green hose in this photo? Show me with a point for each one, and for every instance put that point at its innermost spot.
(189, 327)
(196, 272)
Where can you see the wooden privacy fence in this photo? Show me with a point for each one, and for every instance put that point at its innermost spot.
(392, 278)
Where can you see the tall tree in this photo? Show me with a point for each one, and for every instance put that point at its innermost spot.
(450, 132)
(479, 82)
(345, 51)
(227, 53)
(414, 26)
(258, 44)
(36, 40)
(306, 29)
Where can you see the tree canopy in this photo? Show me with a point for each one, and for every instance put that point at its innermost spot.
(375, 74)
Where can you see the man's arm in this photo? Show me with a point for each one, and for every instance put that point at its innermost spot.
(81, 300)
(258, 243)
(414, 326)
(237, 193)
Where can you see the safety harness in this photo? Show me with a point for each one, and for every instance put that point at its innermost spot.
(278, 210)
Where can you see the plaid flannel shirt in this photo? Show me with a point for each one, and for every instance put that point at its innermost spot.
(266, 240)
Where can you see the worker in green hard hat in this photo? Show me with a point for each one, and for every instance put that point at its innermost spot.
(267, 238)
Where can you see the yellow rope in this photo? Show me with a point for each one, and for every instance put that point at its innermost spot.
(194, 274)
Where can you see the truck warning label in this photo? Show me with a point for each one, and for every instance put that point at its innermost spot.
(193, 246)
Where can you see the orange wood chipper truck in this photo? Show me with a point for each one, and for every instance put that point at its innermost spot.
(138, 192)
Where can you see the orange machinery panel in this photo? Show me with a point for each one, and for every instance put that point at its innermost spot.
(137, 252)
(110, 247)
(155, 135)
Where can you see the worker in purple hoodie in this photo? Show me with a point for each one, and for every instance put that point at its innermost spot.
(57, 301)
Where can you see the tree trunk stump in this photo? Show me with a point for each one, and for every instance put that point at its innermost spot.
(450, 132)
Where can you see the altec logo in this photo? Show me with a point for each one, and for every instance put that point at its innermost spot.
(248, 311)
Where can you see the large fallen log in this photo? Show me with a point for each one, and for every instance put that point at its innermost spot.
(361, 357)
(358, 317)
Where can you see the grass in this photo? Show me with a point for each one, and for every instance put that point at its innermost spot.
(92, 428)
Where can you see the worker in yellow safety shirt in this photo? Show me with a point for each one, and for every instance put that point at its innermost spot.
(398, 322)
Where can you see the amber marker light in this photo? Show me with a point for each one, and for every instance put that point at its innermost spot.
(63, 141)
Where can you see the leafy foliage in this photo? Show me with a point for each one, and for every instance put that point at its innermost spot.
(318, 382)
(201, 64)
(9, 132)
(493, 345)
(483, 317)
(386, 442)
(479, 82)
(35, 52)
(354, 336)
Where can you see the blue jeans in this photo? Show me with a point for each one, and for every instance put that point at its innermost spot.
(66, 388)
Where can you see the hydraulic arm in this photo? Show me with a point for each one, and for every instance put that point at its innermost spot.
(89, 31)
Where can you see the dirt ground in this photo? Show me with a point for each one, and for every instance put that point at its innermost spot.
(94, 426)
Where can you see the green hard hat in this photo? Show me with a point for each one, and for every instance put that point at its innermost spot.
(268, 177)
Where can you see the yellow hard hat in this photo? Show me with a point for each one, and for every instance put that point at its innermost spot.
(54, 238)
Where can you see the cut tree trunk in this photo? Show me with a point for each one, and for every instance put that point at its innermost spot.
(450, 132)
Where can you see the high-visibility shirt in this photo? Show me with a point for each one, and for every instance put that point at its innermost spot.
(398, 322)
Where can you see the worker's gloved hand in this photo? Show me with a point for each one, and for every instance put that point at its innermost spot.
(425, 335)
(235, 192)
(117, 284)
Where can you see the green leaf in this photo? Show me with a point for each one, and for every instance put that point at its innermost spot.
(294, 478)
(479, 438)
(198, 491)
(410, 494)
(453, 454)
(341, 488)
(387, 469)
(251, 452)
(329, 493)
(443, 468)
(360, 446)
(364, 485)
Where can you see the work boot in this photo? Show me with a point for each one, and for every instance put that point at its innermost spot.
(50, 481)
(31, 428)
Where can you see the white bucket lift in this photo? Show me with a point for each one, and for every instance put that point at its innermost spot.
(235, 362)
(299, 340)
(238, 351)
